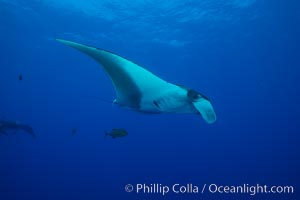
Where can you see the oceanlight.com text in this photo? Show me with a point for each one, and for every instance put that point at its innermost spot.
(250, 189)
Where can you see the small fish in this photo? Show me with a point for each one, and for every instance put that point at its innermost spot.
(20, 77)
(74, 131)
(116, 132)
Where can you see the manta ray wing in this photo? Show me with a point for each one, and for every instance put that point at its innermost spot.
(131, 81)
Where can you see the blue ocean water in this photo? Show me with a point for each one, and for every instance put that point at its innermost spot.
(243, 55)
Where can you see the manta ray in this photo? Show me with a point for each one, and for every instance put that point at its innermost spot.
(140, 90)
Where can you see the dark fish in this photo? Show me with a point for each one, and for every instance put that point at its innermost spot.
(116, 133)
(74, 131)
(14, 126)
(20, 77)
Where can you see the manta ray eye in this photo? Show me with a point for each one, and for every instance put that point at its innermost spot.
(193, 95)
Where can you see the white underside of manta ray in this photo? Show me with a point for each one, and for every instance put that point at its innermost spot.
(140, 90)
